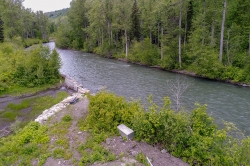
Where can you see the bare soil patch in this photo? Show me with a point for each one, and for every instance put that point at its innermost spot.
(125, 151)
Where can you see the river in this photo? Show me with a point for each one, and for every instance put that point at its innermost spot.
(224, 101)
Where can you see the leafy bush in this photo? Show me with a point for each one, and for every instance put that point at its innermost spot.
(24, 145)
(144, 52)
(67, 118)
(194, 136)
(107, 111)
(27, 68)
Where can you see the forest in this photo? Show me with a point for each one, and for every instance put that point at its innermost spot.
(210, 38)
(20, 28)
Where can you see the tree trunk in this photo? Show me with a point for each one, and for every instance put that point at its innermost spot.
(228, 60)
(203, 24)
(126, 38)
(249, 45)
(186, 26)
(180, 33)
(222, 30)
(212, 34)
(161, 43)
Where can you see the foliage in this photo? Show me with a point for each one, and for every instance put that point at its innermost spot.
(98, 153)
(144, 52)
(67, 118)
(31, 68)
(141, 158)
(194, 136)
(106, 112)
(144, 28)
(14, 112)
(1, 30)
(24, 145)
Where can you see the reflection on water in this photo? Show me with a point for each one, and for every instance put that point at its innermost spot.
(225, 101)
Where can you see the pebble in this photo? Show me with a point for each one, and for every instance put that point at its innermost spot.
(163, 151)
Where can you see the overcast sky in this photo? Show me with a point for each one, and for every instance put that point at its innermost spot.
(46, 5)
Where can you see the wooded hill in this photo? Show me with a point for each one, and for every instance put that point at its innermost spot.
(210, 38)
(57, 13)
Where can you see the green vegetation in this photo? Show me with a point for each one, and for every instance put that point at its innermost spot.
(194, 136)
(187, 35)
(142, 159)
(57, 13)
(36, 106)
(92, 151)
(30, 69)
(25, 145)
(16, 22)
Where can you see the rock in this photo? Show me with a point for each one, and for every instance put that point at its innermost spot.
(108, 140)
(134, 153)
(79, 133)
(59, 162)
(163, 151)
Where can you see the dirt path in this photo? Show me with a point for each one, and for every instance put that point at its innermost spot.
(125, 151)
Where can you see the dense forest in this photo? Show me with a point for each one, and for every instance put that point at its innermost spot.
(210, 38)
(18, 24)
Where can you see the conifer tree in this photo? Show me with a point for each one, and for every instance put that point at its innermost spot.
(135, 23)
(1, 30)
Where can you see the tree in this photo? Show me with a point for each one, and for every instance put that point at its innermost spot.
(222, 30)
(1, 30)
(135, 24)
(177, 87)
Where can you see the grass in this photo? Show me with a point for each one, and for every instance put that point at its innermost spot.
(16, 90)
(92, 150)
(37, 106)
(37, 142)
(17, 107)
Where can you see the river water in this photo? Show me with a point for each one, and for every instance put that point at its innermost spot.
(224, 101)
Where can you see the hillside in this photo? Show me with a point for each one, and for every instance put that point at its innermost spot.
(57, 13)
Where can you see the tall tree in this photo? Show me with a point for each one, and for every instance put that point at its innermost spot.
(222, 30)
(135, 24)
(180, 20)
(1, 30)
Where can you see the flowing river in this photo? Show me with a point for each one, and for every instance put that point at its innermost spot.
(224, 101)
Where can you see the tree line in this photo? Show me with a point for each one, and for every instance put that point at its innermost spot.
(21, 24)
(21, 27)
(210, 38)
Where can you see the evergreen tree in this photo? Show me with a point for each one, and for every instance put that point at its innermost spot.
(135, 23)
(1, 30)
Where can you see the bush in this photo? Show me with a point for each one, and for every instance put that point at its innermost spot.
(144, 52)
(24, 145)
(193, 137)
(67, 118)
(107, 111)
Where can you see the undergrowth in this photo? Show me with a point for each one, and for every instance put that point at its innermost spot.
(193, 136)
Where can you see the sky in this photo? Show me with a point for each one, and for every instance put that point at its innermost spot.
(46, 5)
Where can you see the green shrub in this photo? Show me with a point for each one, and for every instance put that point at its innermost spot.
(67, 118)
(144, 52)
(107, 111)
(24, 145)
(16, 107)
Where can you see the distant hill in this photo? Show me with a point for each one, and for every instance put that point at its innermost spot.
(57, 13)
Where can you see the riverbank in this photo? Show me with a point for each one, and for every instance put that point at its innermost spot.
(63, 121)
(185, 72)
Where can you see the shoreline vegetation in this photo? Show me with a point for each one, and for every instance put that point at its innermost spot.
(186, 38)
(192, 137)
(185, 72)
